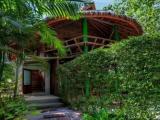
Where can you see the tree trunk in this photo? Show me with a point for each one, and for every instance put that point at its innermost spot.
(1, 65)
(16, 78)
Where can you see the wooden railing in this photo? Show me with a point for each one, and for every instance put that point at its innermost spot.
(91, 39)
(75, 45)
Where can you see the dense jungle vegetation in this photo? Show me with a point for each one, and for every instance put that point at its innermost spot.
(124, 80)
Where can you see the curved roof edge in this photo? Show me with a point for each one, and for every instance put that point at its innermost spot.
(122, 19)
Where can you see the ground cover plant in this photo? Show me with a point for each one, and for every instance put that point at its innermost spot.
(124, 80)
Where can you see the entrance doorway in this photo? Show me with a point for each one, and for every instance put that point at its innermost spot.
(33, 81)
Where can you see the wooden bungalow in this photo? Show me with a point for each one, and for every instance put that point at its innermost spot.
(93, 30)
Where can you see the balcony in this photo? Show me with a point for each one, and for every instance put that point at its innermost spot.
(76, 45)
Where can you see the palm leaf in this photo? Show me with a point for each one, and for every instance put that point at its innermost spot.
(51, 8)
(40, 63)
(22, 18)
(7, 49)
(48, 36)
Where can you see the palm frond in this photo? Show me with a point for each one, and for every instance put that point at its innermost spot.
(48, 36)
(64, 9)
(20, 18)
(40, 63)
(7, 49)
(12, 23)
(51, 8)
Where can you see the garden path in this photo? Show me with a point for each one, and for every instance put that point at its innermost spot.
(57, 114)
(49, 108)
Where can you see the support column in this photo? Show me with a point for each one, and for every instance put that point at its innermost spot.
(47, 80)
(116, 33)
(85, 33)
(117, 38)
(85, 39)
(53, 82)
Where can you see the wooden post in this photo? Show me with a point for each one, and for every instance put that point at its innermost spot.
(116, 33)
(85, 34)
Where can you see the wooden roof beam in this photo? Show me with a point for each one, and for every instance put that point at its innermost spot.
(97, 28)
(63, 24)
(112, 24)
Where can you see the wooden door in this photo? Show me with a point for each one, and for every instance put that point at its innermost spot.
(37, 81)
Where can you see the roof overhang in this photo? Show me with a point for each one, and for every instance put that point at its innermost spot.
(98, 21)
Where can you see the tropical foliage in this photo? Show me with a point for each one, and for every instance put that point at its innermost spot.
(12, 109)
(123, 78)
(21, 22)
(147, 12)
(21, 19)
(26, 16)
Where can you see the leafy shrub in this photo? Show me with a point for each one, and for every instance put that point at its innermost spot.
(12, 108)
(7, 83)
(104, 114)
(101, 115)
(125, 76)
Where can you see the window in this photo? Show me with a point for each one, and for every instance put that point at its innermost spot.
(27, 77)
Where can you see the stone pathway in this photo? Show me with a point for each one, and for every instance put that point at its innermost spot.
(57, 114)
(50, 107)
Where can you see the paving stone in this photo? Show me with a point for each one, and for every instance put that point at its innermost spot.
(51, 108)
(58, 114)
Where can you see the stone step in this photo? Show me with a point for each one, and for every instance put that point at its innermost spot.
(47, 105)
(42, 99)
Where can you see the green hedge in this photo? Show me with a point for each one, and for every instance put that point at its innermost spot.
(125, 77)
